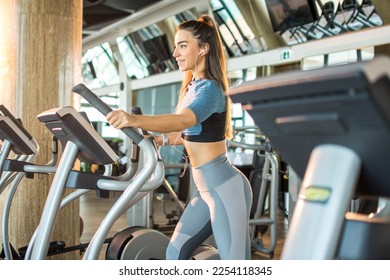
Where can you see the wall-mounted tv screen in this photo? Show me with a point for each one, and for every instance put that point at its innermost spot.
(157, 51)
(157, 48)
(286, 14)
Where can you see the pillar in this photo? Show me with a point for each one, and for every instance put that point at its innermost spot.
(40, 62)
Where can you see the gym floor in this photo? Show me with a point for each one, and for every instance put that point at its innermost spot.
(93, 210)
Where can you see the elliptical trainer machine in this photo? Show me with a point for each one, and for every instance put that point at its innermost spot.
(16, 139)
(80, 140)
(134, 242)
(332, 126)
(265, 184)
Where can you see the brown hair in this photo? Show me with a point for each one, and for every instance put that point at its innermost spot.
(206, 32)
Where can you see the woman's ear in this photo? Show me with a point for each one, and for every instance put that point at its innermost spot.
(205, 49)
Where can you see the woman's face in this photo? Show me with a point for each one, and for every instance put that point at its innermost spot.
(186, 50)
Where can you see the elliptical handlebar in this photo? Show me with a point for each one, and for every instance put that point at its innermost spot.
(103, 108)
(137, 111)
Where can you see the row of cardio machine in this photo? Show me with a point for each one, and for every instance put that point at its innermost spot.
(332, 126)
(79, 140)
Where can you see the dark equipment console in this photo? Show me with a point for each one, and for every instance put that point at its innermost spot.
(345, 108)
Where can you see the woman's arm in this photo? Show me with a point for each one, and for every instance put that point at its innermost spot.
(159, 123)
(173, 138)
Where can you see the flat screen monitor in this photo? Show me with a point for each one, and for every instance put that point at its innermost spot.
(286, 14)
(157, 51)
(346, 105)
(157, 48)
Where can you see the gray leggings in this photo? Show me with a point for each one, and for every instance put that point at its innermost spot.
(220, 206)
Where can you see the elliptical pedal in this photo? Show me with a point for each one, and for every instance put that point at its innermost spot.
(137, 243)
(206, 252)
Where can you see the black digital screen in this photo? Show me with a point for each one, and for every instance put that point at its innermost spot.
(157, 51)
(286, 14)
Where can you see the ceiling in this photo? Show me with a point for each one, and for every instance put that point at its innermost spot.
(100, 13)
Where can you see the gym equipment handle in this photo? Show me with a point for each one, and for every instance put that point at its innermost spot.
(137, 111)
(102, 107)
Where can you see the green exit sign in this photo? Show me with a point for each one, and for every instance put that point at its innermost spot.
(285, 54)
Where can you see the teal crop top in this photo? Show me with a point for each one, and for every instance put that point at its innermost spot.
(207, 100)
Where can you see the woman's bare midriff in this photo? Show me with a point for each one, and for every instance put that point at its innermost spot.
(199, 153)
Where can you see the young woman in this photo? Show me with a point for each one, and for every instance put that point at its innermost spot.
(222, 202)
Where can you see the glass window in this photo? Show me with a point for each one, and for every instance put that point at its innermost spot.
(236, 34)
(337, 58)
(135, 64)
(99, 67)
